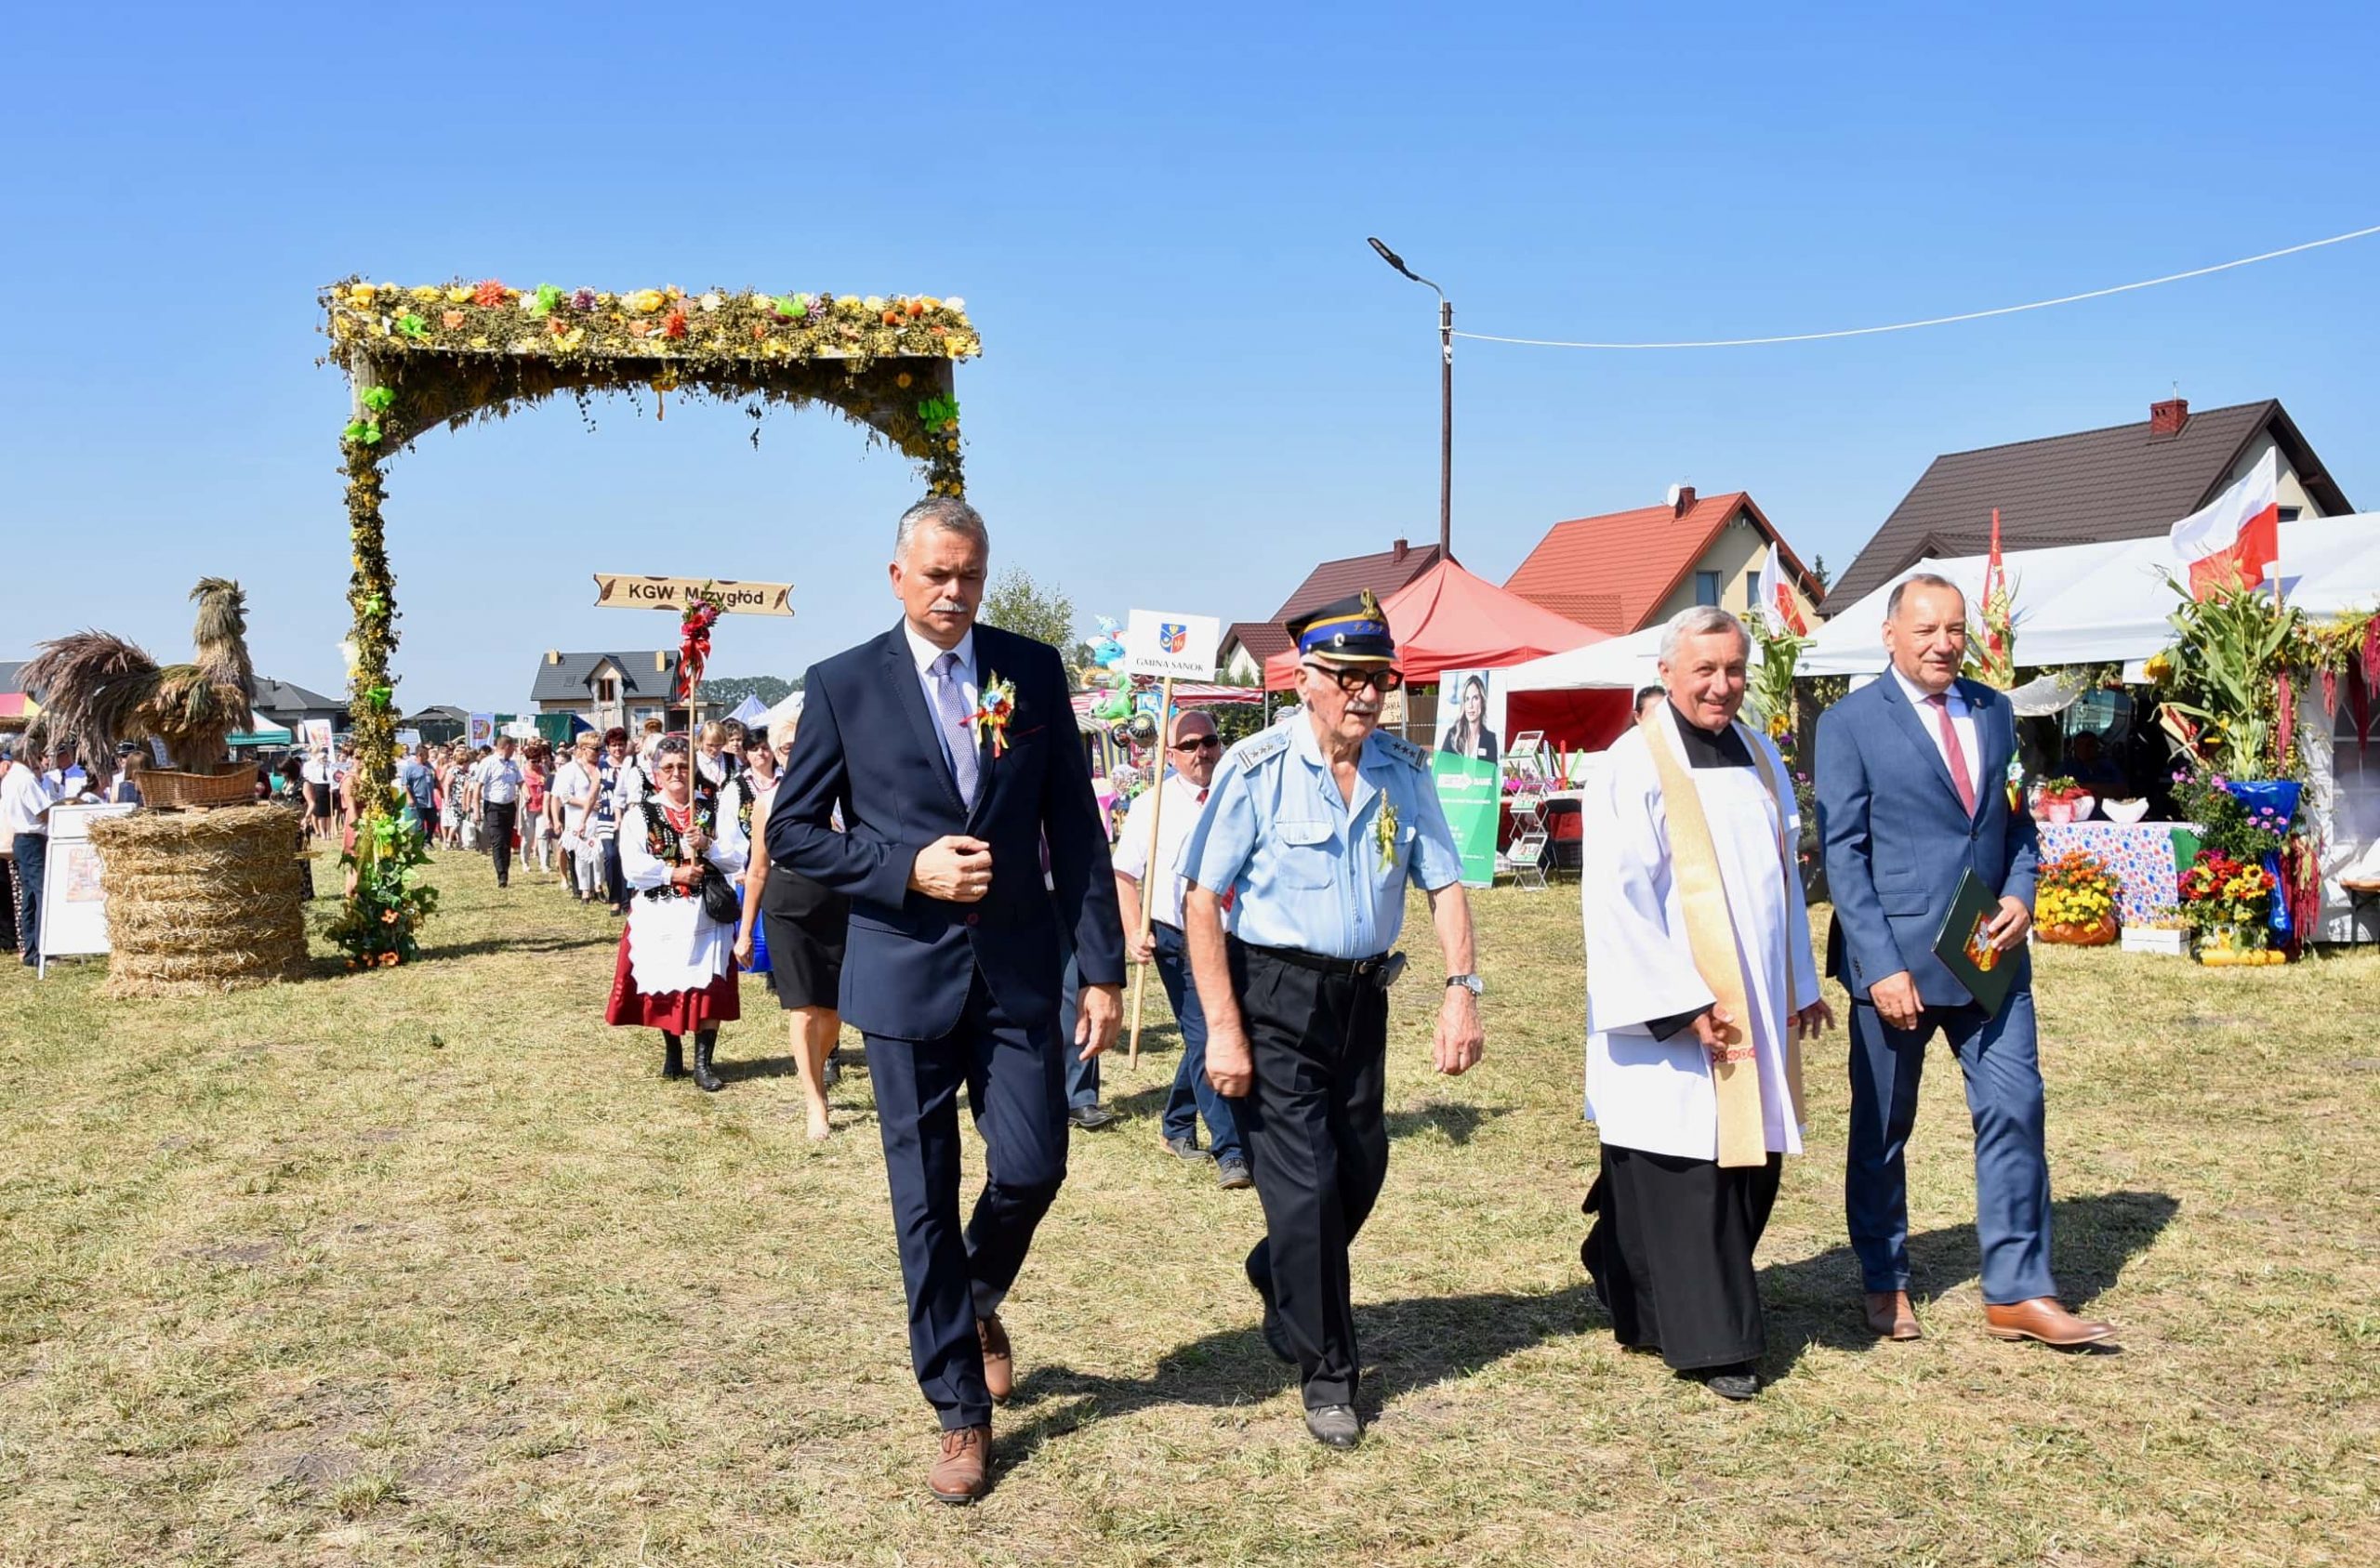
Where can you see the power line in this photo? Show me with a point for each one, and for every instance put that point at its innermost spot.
(1937, 321)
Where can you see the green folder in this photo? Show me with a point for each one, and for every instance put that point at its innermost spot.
(1967, 953)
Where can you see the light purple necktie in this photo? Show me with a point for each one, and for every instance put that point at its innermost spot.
(951, 713)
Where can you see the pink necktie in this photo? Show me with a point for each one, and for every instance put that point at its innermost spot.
(1941, 700)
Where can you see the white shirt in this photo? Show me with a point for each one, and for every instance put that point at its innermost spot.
(65, 786)
(926, 654)
(1962, 722)
(24, 796)
(499, 780)
(1172, 830)
(574, 787)
(317, 770)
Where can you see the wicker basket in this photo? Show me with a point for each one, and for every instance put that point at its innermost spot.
(161, 786)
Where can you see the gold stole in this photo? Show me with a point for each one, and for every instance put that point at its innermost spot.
(1711, 936)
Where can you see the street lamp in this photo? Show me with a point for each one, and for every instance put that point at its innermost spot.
(1446, 398)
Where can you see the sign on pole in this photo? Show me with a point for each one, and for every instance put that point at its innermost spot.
(317, 732)
(1171, 647)
(621, 590)
(480, 731)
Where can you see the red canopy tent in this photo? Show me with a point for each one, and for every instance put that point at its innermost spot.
(1448, 619)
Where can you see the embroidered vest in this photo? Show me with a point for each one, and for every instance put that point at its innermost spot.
(665, 844)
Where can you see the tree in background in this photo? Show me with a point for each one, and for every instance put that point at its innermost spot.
(727, 691)
(1817, 570)
(1016, 602)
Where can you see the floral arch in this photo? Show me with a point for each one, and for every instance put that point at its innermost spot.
(456, 353)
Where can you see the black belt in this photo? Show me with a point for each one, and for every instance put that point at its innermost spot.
(1300, 959)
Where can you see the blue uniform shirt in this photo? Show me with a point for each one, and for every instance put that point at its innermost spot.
(1306, 869)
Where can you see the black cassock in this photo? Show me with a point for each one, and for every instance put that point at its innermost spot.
(1672, 1245)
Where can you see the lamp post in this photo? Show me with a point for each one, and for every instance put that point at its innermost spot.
(1446, 398)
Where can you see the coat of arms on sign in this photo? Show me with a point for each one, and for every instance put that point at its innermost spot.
(1172, 637)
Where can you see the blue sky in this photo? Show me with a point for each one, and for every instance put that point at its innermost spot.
(1197, 380)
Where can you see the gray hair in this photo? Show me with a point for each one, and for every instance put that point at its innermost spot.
(1700, 620)
(947, 512)
(1923, 580)
(782, 729)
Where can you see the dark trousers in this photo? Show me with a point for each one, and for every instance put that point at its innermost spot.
(495, 826)
(2005, 1097)
(1317, 1146)
(30, 849)
(1671, 1254)
(1082, 1077)
(616, 881)
(1191, 1096)
(1015, 1081)
(8, 904)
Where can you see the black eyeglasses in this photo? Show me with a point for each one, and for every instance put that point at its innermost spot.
(1353, 681)
(1202, 743)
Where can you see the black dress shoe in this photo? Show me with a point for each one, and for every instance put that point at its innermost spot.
(1335, 1426)
(1276, 1333)
(1738, 1382)
(1089, 1117)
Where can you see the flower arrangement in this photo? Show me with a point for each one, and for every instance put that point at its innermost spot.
(380, 926)
(2074, 901)
(2059, 787)
(2225, 900)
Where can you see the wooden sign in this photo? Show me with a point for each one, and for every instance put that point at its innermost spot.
(619, 591)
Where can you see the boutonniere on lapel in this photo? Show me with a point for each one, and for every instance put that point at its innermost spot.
(2016, 780)
(992, 715)
(1384, 829)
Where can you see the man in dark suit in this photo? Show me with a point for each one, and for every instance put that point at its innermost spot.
(1911, 782)
(949, 750)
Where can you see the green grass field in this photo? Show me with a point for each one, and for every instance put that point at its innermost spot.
(428, 1266)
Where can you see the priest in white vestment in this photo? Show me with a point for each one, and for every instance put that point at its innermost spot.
(1701, 986)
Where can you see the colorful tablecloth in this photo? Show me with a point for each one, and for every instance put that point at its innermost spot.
(2140, 854)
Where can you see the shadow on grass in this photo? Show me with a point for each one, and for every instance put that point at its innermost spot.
(522, 944)
(1412, 1345)
(1456, 1121)
(1816, 1301)
(1408, 1346)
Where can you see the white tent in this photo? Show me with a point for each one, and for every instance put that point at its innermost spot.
(2080, 604)
(748, 710)
(789, 708)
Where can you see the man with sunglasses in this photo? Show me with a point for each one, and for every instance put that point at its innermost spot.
(1149, 863)
(1311, 833)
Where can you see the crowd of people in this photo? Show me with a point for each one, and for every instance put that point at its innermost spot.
(28, 793)
(921, 855)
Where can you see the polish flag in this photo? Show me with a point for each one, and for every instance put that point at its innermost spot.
(2235, 538)
(1773, 596)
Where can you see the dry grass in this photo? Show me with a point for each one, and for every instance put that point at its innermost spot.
(428, 1266)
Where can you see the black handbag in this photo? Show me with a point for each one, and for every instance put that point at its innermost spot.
(722, 903)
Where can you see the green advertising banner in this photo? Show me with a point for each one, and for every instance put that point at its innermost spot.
(1470, 792)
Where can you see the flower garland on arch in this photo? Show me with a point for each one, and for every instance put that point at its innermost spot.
(454, 353)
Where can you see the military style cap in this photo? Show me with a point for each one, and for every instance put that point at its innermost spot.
(1348, 631)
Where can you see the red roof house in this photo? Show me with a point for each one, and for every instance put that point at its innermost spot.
(1622, 572)
(1248, 644)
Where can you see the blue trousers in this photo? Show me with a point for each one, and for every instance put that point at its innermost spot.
(1016, 1090)
(32, 850)
(1998, 1057)
(1193, 1097)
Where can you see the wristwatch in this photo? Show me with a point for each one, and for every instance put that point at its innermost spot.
(1472, 983)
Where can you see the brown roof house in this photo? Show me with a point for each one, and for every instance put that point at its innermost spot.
(1247, 644)
(1622, 572)
(2127, 481)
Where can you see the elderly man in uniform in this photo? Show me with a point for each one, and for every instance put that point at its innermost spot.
(1311, 833)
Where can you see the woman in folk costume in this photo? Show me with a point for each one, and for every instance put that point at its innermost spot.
(676, 968)
(1700, 988)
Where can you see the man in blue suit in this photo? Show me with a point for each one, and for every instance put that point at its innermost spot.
(1911, 795)
(949, 751)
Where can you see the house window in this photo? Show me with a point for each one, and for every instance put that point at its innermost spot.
(1706, 588)
(2289, 514)
(607, 691)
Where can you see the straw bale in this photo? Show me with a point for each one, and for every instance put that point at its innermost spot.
(202, 902)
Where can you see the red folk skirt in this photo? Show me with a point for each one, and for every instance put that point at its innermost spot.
(677, 1012)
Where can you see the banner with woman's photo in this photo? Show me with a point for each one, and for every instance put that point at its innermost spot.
(1465, 765)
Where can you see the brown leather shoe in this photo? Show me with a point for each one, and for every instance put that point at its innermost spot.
(2043, 1319)
(1889, 1315)
(963, 1472)
(999, 1362)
